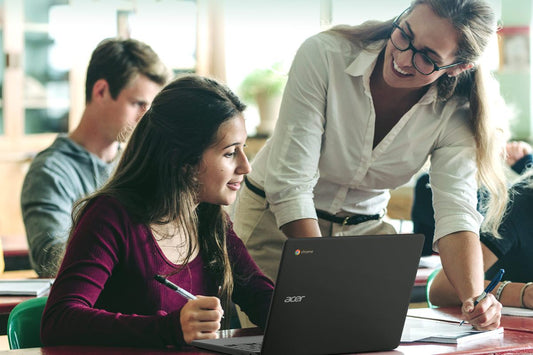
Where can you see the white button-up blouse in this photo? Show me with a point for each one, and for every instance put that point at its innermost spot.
(321, 156)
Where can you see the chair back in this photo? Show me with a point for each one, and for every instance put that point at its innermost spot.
(24, 324)
(428, 286)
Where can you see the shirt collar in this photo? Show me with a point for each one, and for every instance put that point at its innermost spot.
(365, 62)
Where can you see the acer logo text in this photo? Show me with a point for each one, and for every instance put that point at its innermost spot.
(294, 299)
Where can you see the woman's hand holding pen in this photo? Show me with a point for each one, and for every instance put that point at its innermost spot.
(200, 318)
(485, 311)
(485, 315)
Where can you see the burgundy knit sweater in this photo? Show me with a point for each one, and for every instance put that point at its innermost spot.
(105, 292)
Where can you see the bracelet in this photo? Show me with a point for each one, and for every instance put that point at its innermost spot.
(522, 291)
(500, 290)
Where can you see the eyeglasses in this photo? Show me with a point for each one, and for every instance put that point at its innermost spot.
(402, 42)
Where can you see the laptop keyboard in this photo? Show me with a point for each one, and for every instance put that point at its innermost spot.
(251, 347)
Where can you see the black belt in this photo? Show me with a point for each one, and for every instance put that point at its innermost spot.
(350, 220)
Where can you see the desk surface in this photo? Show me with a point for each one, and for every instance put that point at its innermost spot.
(513, 341)
(14, 244)
(16, 253)
(8, 302)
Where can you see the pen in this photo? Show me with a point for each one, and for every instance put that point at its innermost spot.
(497, 278)
(175, 287)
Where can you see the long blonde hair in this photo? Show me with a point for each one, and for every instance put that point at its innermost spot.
(475, 22)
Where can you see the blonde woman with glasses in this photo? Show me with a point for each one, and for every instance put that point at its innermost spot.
(363, 109)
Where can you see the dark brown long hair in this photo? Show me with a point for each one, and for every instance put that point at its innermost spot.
(155, 179)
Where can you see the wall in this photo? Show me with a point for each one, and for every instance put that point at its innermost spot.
(515, 83)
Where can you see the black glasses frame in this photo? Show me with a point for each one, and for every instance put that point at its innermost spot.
(396, 26)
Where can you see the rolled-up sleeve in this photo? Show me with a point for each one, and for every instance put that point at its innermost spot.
(453, 179)
(292, 167)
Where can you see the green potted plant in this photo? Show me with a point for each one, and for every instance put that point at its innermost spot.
(264, 87)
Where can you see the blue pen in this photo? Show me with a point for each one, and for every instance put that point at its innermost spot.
(497, 278)
(175, 287)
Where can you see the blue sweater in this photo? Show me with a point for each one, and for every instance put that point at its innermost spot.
(57, 177)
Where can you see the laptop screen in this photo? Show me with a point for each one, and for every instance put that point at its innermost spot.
(341, 294)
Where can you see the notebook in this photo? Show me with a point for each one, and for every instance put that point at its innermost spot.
(517, 312)
(25, 287)
(336, 295)
(435, 331)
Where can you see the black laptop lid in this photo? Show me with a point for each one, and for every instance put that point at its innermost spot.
(342, 294)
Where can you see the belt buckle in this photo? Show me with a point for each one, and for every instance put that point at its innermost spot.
(345, 222)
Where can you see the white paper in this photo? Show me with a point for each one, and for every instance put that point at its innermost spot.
(25, 287)
(427, 330)
(516, 311)
(430, 262)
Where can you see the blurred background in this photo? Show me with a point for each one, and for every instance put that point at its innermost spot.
(249, 44)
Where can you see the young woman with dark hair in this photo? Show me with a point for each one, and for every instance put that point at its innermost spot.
(161, 214)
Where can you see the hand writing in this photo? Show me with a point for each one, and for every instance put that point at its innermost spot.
(200, 318)
(485, 315)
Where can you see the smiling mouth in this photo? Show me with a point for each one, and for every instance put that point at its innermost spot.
(398, 69)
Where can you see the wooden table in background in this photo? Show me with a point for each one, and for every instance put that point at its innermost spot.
(16, 254)
(7, 303)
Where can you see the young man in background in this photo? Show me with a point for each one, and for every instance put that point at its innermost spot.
(123, 77)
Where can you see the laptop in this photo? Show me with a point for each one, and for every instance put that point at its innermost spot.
(335, 295)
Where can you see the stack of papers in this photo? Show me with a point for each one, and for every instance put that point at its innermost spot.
(517, 311)
(431, 262)
(26, 287)
(432, 313)
(434, 331)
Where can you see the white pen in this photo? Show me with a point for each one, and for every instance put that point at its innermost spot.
(175, 287)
